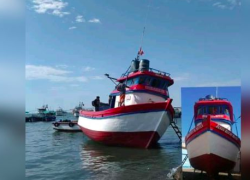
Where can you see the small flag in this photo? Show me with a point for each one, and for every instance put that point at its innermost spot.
(140, 52)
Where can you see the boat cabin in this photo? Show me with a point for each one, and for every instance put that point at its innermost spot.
(42, 109)
(144, 85)
(220, 109)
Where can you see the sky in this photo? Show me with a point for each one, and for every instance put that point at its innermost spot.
(70, 45)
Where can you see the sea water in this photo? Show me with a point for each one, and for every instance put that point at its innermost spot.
(62, 155)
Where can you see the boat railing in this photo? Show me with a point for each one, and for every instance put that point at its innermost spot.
(159, 72)
(150, 70)
(205, 99)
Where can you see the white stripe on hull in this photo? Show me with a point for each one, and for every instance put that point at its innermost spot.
(139, 98)
(139, 122)
(210, 143)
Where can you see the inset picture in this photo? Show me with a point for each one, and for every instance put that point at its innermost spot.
(211, 126)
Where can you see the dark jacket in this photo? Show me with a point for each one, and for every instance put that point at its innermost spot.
(96, 103)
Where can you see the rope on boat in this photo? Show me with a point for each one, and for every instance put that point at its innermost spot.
(191, 125)
(178, 169)
(236, 124)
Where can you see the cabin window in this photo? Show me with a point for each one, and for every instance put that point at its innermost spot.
(164, 85)
(142, 80)
(221, 110)
(204, 110)
(156, 83)
(132, 81)
(200, 112)
(213, 110)
(226, 111)
(145, 80)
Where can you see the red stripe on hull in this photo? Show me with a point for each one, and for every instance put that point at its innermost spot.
(212, 163)
(215, 127)
(130, 139)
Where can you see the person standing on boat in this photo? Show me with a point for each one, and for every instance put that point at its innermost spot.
(96, 103)
(122, 88)
(110, 99)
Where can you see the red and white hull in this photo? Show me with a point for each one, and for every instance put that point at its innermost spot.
(212, 148)
(139, 125)
(66, 126)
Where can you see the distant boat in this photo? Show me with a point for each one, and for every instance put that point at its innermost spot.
(44, 114)
(60, 112)
(77, 109)
(66, 125)
(177, 111)
(143, 119)
(27, 116)
(211, 144)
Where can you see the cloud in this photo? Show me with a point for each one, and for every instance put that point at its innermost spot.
(54, 7)
(219, 5)
(80, 19)
(181, 78)
(88, 68)
(64, 66)
(228, 4)
(34, 72)
(234, 2)
(57, 88)
(74, 85)
(97, 77)
(71, 28)
(94, 20)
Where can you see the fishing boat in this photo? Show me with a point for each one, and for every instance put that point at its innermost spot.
(76, 110)
(145, 115)
(44, 114)
(211, 144)
(66, 125)
(60, 112)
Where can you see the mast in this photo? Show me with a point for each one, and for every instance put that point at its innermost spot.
(140, 52)
(216, 96)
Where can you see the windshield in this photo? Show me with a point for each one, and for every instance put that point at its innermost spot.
(213, 110)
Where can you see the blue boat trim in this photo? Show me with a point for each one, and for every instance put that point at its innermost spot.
(217, 133)
(122, 114)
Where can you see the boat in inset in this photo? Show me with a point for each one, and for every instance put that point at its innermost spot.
(143, 119)
(211, 144)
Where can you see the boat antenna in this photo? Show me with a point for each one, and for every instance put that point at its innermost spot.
(140, 52)
(216, 96)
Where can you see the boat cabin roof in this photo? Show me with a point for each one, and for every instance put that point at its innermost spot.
(160, 75)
